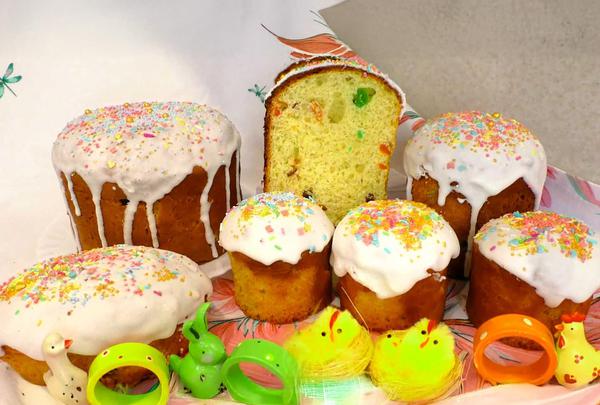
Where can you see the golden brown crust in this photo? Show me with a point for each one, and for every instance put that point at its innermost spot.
(177, 214)
(33, 370)
(425, 299)
(494, 291)
(282, 292)
(292, 79)
(303, 62)
(516, 197)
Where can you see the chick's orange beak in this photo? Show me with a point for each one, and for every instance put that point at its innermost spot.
(68, 343)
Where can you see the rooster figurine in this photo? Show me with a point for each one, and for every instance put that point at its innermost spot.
(417, 364)
(578, 361)
(335, 346)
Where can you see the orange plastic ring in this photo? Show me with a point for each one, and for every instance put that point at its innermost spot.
(514, 325)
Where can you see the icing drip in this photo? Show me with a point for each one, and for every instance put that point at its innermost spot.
(558, 256)
(275, 226)
(237, 176)
(72, 195)
(128, 221)
(205, 214)
(83, 296)
(71, 222)
(152, 223)
(146, 149)
(389, 245)
(477, 155)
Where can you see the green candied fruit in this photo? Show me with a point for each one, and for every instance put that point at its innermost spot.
(363, 96)
(360, 134)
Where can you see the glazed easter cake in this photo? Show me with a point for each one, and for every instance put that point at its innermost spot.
(279, 245)
(99, 298)
(540, 264)
(330, 131)
(153, 174)
(472, 167)
(392, 257)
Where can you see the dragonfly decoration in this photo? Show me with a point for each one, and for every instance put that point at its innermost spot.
(259, 92)
(6, 80)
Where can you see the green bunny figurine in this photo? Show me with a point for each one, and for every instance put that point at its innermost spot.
(200, 369)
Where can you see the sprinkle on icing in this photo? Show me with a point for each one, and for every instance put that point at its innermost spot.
(67, 279)
(480, 132)
(276, 226)
(557, 255)
(538, 232)
(409, 222)
(388, 246)
(477, 155)
(100, 297)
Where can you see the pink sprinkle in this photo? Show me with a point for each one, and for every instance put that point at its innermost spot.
(300, 231)
(149, 135)
(493, 248)
(283, 231)
(269, 228)
(450, 165)
(157, 293)
(518, 157)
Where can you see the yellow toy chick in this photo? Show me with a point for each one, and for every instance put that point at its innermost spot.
(416, 364)
(578, 361)
(335, 346)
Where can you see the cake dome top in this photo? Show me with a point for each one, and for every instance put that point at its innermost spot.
(476, 154)
(100, 297)
(389, 245)
(557, 255)
(275, 226)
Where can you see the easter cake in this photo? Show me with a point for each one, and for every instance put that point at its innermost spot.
(540, 264)
(392, 257)
(330, 131)
(152, 174)
(472, 167)
(96, 299)
(279, 245)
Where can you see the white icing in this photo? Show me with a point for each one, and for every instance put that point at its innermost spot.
(275, 226)
(556, 275)
(150, 293)
(317, 63)
(147, 149)
(385, 262)
(442, 150)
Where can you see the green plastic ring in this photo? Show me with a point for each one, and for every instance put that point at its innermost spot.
(128, 354)
(274, 359)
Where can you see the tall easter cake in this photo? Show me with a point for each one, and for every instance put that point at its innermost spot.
(472, 167)
(537, 263)
(392, 257)
(99, 298)
(153, 174)
(330, 131)
(279, 246)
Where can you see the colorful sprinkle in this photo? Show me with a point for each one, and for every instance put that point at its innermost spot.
(409, 222)
(538, 232)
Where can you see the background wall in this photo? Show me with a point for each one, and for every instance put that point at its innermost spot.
(537, 61)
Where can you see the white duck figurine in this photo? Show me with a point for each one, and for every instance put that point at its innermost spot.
(64, 381)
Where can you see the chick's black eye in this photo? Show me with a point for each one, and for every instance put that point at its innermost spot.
(323, 334)
(423, 332)
(52, 347)
(339, 330)
(572, 329)
(389, 336)
(435, 342)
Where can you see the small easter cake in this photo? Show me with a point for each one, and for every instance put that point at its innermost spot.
(472, 167)
(99, 298)
(392, 257)
(279, 245)
(330, 131)
(539, 264)
(152, 174)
